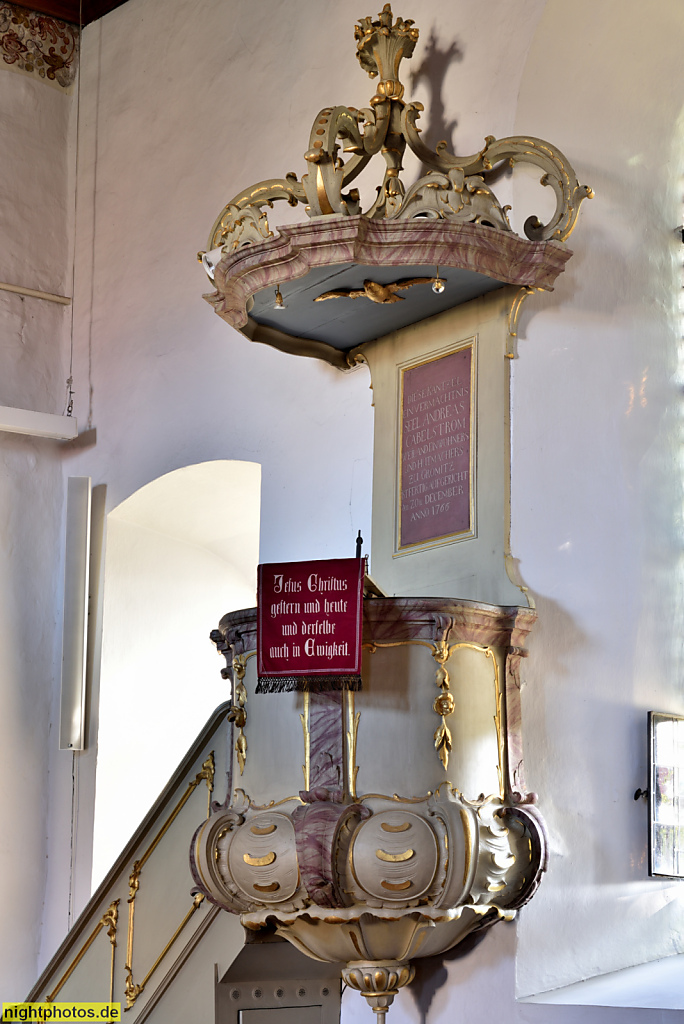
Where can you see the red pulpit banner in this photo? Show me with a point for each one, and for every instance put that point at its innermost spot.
(310, 625)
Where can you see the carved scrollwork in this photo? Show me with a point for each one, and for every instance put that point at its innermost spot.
(558, 174)
(379, 982)
(453, 196)
(557, 170)
(244, 221)
(343, 140)
(328, 174)
(222, 647)
(380, 48)
(237, 712)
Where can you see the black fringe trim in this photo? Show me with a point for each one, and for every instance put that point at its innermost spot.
(307, 684)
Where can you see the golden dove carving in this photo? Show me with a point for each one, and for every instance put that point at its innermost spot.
(382, 293)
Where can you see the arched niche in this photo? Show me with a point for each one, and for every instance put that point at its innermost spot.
(179, 552)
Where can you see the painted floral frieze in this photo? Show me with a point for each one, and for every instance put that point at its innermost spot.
(38, 45)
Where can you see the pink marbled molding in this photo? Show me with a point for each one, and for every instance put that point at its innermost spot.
(414, 618)
(326, 740)
(515, 766)
(435, 618)
(331, 241)
(317, 823)
(430, 619)
(517, 784)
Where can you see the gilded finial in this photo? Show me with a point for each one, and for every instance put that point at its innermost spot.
(380, 48)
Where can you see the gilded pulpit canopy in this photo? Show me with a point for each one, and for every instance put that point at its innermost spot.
(450, 218)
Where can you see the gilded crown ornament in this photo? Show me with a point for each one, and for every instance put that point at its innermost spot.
(343, 140)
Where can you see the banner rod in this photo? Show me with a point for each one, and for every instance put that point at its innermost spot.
(34, 293)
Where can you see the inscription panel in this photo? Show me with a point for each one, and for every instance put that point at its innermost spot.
(437, 446)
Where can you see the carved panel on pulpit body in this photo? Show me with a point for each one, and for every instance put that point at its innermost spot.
(413, 828)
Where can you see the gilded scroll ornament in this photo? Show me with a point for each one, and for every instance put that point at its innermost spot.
(444, 703)
(206, 774)
(343, 140)
(109, 921)
(237, 712)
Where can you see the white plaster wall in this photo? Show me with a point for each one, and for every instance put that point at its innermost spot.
(597, 486)
(178, 551)
(181, 108)
(480, 986)
(34, 252)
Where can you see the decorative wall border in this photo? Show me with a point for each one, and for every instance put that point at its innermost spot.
(38, 45)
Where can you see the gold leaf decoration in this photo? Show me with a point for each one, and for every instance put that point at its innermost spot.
(443, 744)
(241, 751)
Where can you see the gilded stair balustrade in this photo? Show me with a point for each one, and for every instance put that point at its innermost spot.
(109, 920)
(132, 989)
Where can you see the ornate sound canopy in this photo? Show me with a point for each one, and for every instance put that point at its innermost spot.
(449, 218)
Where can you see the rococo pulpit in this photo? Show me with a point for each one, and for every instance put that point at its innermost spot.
(373, 824)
